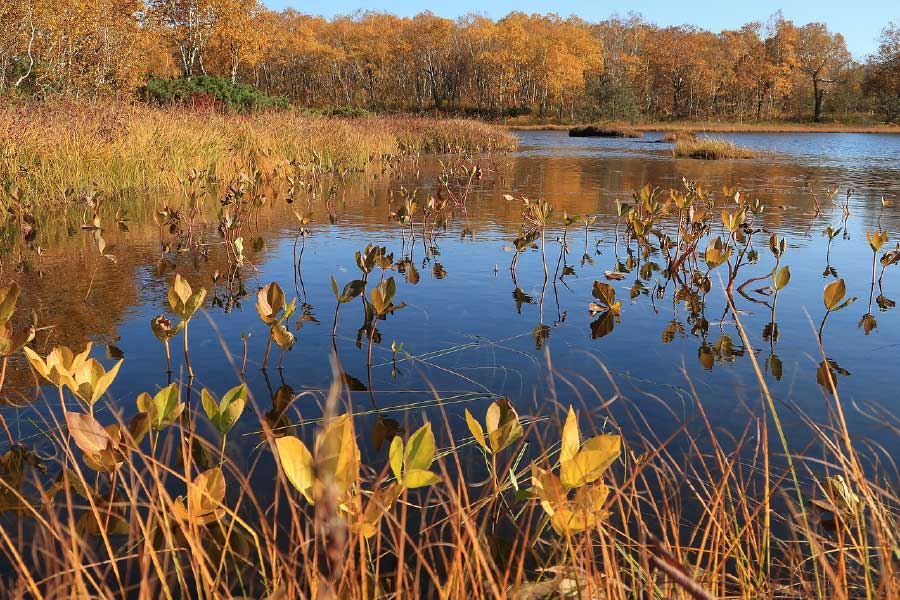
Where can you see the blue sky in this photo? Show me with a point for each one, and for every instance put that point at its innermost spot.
(860, 21)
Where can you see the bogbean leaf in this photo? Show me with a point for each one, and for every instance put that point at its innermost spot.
(224, 414)
(833, 294)
(476, 430)
(297, 462)
(205, 494)
(782, 278)
(163, 408)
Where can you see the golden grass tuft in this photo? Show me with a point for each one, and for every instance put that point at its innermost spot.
(710, 149)
(53, 150)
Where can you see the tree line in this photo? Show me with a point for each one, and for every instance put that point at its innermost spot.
(540, 65)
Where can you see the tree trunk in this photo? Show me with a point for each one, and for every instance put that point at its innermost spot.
(817, 100)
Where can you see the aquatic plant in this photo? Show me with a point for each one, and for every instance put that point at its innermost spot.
(274, 312)
(185, 302)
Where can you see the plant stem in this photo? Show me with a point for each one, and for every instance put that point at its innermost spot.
(268, 347)
(187, 357)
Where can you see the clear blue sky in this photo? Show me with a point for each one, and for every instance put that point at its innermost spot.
(860, 21)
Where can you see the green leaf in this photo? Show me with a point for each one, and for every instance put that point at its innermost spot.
(334, 289)
(420, 449)
(225, 414)
(164, 407)
(782, 278)
(353, 289)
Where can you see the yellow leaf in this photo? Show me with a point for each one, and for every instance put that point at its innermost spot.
(395, 456)
(414, 478)
(591, 461)
(571, 439)
(476, 430)
(297, 463)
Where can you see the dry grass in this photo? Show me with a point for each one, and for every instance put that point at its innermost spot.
(610, 131)
(710, 149)
(730, 513)
(52, 150)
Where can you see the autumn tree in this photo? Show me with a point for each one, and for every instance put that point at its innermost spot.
(882, 80)
(821, 56)
(190, 25)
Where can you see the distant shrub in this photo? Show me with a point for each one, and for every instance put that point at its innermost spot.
(208, 93)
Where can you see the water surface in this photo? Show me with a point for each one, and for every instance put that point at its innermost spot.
(468, 330)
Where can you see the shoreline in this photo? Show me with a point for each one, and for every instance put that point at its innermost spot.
(712, 127)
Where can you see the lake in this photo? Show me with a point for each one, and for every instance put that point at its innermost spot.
(473, 331)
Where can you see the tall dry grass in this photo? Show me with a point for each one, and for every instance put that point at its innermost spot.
(695, 512)
(51, 151)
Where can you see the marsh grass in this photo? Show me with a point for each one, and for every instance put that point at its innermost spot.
(609, 131)
(677, 136)
(55, 151)
(710, 149)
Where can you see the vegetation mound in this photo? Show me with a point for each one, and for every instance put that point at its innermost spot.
(710, 149)
(604, 131)
(679, 136)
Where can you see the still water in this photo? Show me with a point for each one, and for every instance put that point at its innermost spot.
(468, 332)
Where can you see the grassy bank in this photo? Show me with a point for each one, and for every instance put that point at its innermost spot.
(51, 151)
(722, 127)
